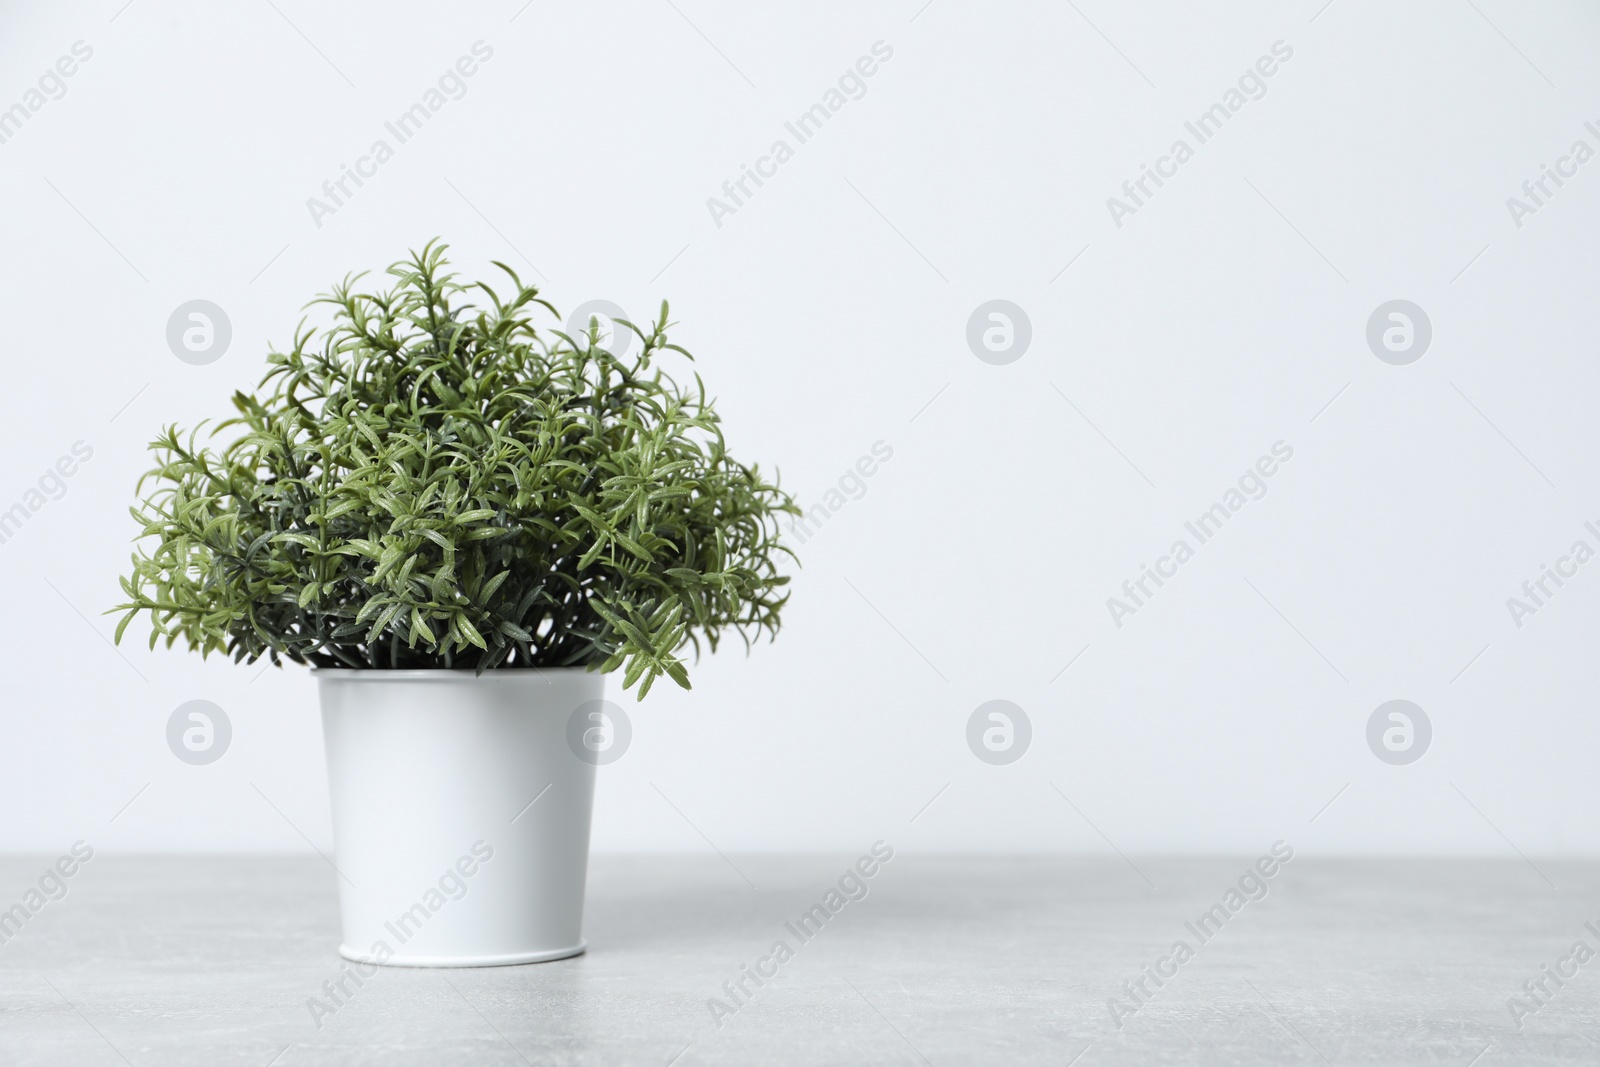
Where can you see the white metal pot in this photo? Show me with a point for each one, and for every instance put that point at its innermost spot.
(460, 812)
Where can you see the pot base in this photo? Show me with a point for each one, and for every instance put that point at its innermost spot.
(465, 961)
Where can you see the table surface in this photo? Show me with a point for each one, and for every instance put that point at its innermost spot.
(946, 960)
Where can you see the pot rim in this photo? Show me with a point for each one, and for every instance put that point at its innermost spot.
(431, 674)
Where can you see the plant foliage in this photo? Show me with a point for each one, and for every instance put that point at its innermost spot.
(430, 484)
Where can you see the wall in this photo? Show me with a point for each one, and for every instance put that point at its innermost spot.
(1176, 338)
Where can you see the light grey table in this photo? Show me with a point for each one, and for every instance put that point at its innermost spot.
(161, 961)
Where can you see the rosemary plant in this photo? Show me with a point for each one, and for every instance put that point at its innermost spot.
(427, 483)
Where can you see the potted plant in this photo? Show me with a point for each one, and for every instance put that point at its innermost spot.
(462, 523)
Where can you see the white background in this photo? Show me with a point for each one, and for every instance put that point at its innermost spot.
(825, 314)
